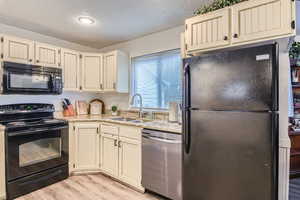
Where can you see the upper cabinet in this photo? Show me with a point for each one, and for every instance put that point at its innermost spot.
(209, 30)
(244, 23)
(70, 64)
(47, 55)
(92, 71)
(115, 72)
(110, 71)
(17, 50)
(260, 19)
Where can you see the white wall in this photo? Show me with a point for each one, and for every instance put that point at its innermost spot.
(53, 99)
(153, 43)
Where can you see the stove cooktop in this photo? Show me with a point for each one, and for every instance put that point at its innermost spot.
(21, 123)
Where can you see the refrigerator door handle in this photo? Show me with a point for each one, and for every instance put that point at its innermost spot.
(187, 105)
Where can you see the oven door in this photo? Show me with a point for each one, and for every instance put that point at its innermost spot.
(35, 150)
(29, 79)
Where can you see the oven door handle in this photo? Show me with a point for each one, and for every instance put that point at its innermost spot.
(34, 131)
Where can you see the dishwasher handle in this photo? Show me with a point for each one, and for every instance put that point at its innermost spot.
(170, 141)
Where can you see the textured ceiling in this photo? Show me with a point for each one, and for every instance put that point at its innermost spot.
(116, 20)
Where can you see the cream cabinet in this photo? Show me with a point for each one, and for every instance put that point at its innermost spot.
(243, 23)
(109, 154)
(121, 153)
(115, 72)
(261, 19)
(87, 146)
(208, 31)
(2, 165)
(47, 55)
(130, 161)
(110, 148)
(70, 64)
(92, 70)
(17, 50)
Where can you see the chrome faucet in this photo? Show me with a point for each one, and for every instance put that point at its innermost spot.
(141, 103)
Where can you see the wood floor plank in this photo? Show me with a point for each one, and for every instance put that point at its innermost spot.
(88, 187)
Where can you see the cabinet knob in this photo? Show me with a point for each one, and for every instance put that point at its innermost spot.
(225, 38)
(116, 143)
(80, 88)
(119, 144)
(235, 35)
(37, 61)
(114, 85)
(30, 60)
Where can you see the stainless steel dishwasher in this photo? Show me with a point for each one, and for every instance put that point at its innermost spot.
(161, 163)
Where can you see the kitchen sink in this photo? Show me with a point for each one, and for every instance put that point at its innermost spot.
(124, 119)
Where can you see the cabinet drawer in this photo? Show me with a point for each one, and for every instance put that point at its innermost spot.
(110, 129)
(130, 132)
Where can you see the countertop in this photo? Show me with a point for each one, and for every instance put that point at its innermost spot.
(155, 125)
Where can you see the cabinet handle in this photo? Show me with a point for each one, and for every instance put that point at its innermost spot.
(114, 85)
(235, 35)
(225, 38)
(101, 86)
(119, 144)
(80, 88)
(116, 143)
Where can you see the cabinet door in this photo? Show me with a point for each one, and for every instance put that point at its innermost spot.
(2, 165)
(110, 71)
(130, 161)
(208, 31)
(47, 55)
(92, 72)
(18, 50)
(261, 19)
(109, 154)
(70, 66)
(87, 146)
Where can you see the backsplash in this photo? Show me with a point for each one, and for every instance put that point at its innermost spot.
(51, 99)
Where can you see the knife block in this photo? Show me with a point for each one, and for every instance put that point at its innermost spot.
(69, 112)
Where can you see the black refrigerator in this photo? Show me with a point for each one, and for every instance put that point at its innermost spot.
(230, 125)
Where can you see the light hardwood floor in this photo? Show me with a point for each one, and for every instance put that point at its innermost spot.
(88, 187)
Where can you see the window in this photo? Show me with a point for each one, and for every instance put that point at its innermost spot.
(157, 78)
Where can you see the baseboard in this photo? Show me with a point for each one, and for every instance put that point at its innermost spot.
(83, 172)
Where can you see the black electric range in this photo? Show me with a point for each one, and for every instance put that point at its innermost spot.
(36, 147)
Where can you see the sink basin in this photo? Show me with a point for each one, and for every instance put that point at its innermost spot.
(124, 119)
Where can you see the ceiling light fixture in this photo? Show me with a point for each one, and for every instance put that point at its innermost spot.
(86, 20)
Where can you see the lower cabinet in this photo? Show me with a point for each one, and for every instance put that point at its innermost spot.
(130, 161)
(87, 146)
(2, 165)
(112, 149)
(109, 154)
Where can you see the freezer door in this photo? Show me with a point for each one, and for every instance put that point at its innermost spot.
(239, 80)
(232, 156)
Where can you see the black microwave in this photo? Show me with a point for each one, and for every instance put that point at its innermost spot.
(30, 79)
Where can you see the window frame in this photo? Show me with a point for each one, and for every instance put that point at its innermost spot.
(132, 85)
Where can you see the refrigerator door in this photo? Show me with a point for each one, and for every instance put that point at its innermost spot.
(231, 156)
(239, 80)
